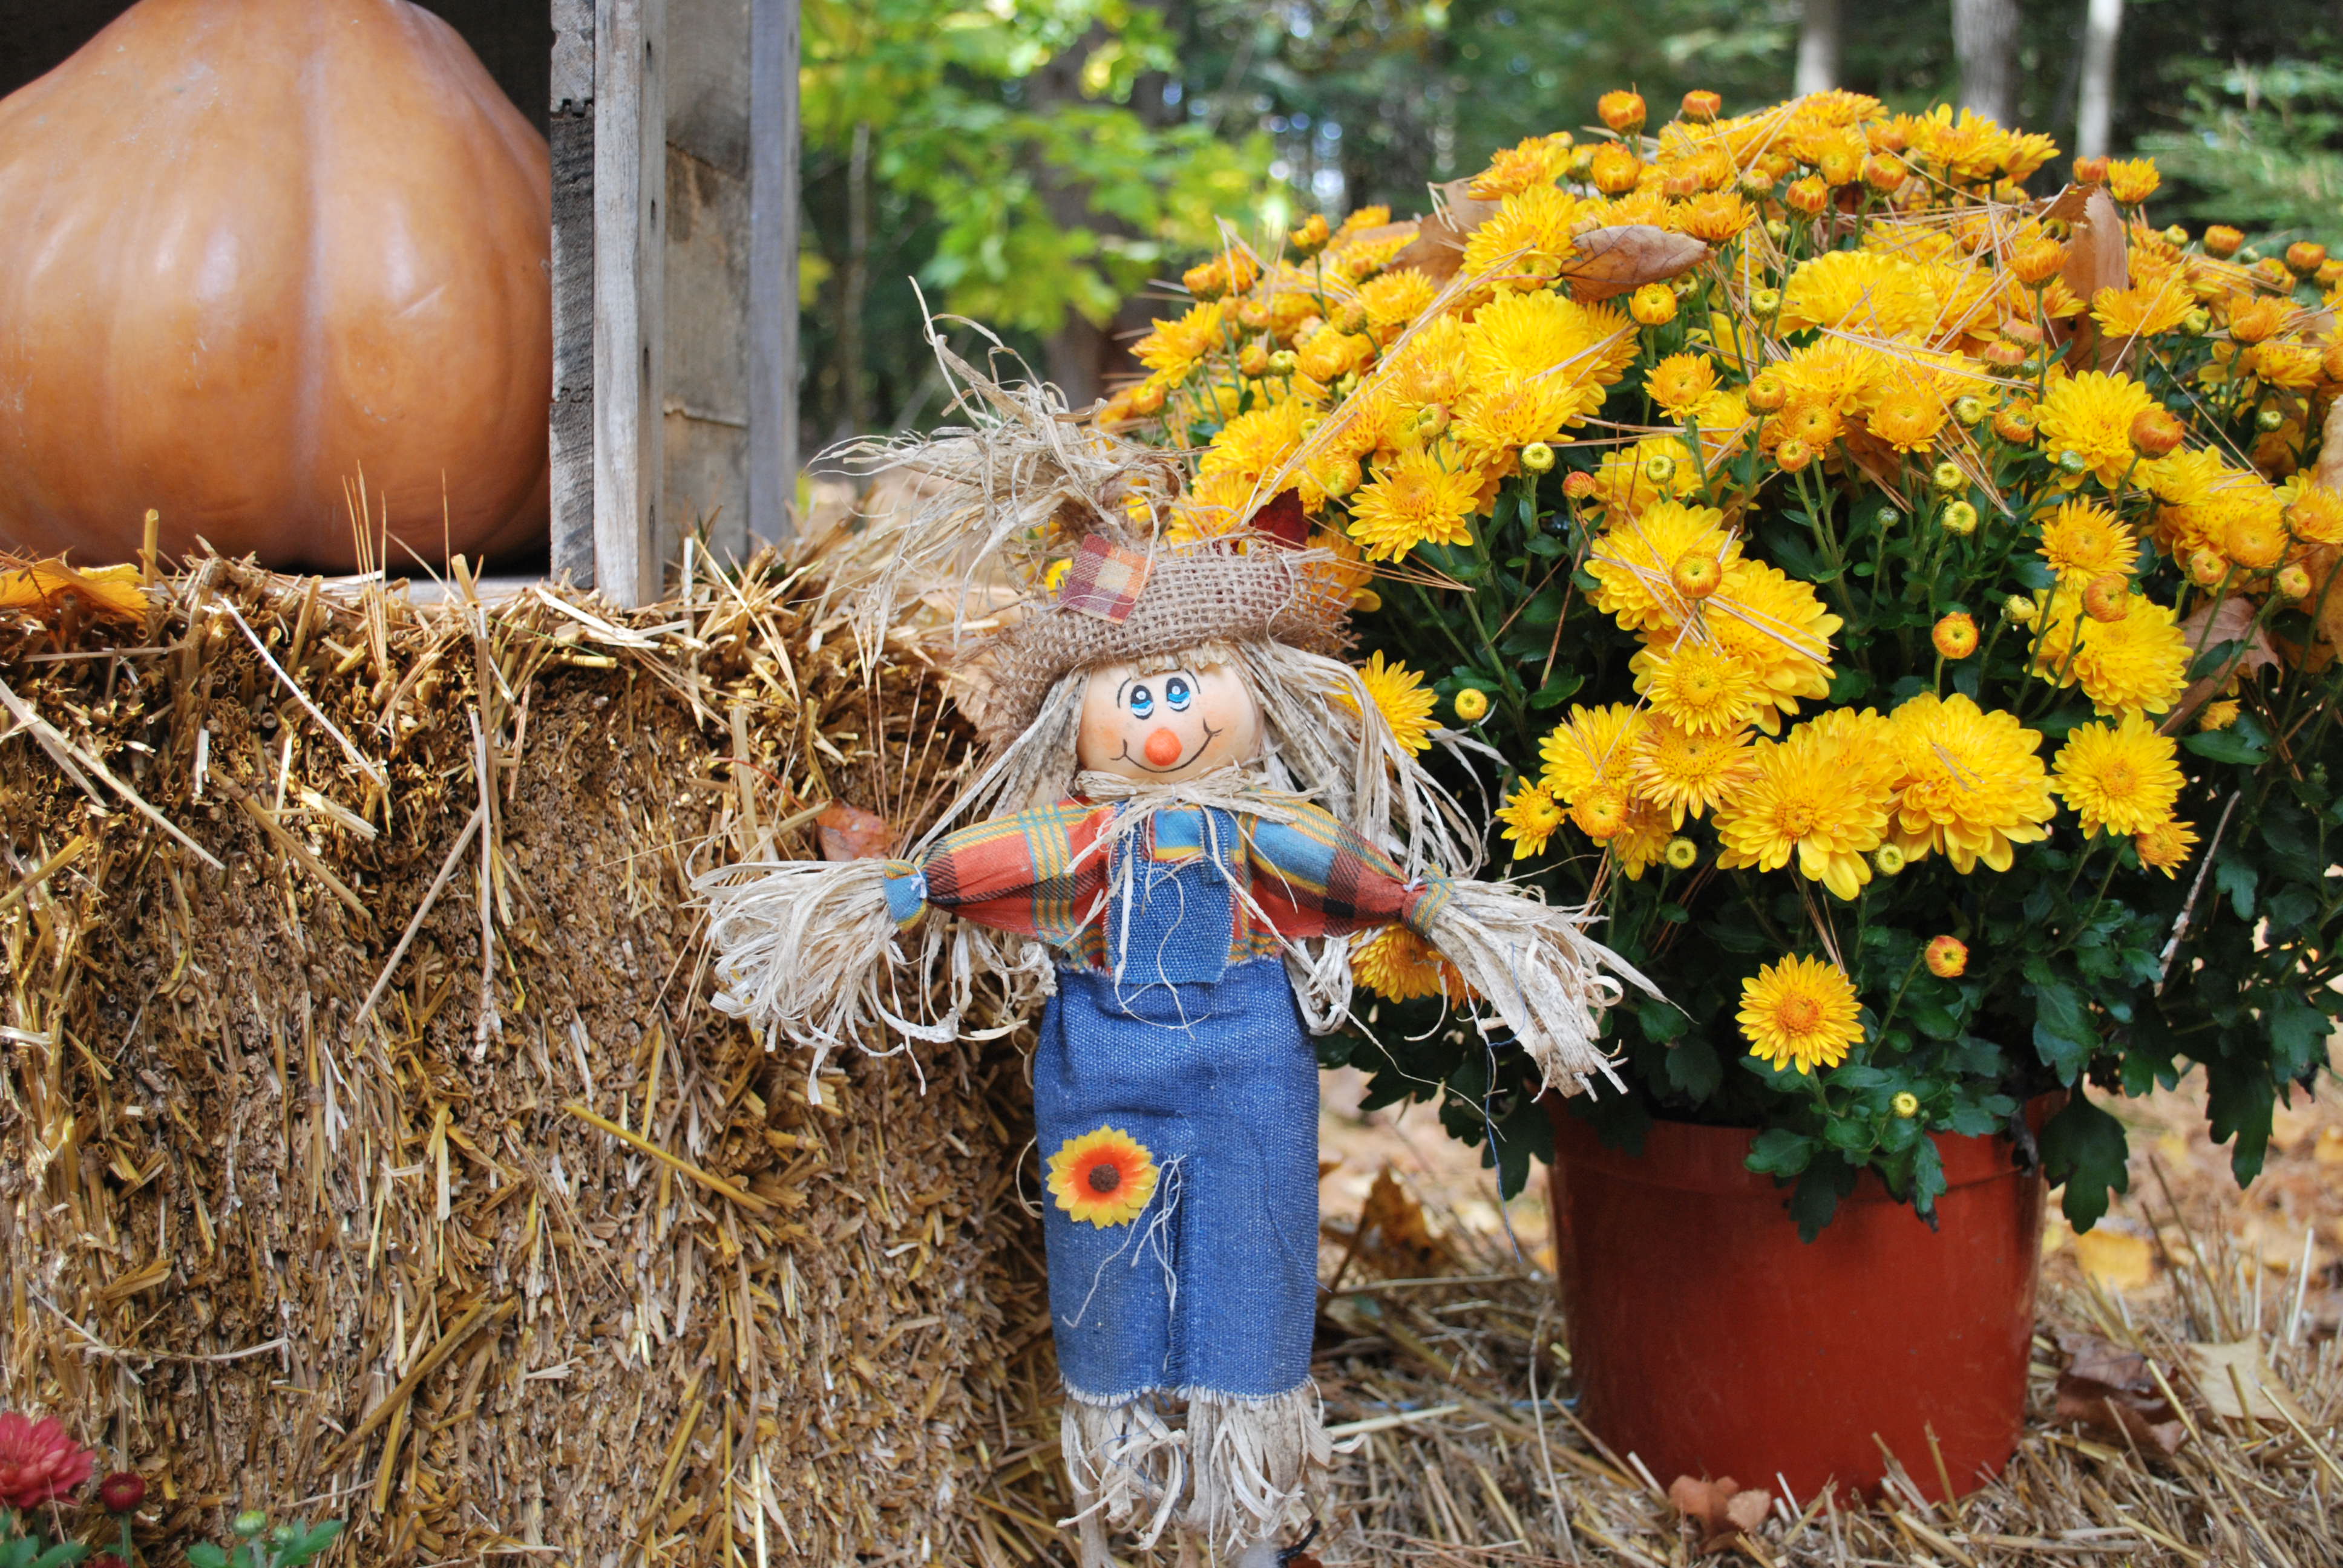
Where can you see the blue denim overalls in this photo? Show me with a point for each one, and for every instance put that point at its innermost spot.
(1213, 1287)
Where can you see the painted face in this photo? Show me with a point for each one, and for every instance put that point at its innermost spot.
(1167, 725)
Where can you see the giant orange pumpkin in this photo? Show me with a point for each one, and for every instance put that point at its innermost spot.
(250, 248)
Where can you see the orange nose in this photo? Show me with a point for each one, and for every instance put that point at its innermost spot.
(1163, 748)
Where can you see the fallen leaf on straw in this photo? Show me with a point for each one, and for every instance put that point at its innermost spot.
(44, 585)
(2108, 1388)
(2234, 1381)
(852, 833)
(1723, 1511)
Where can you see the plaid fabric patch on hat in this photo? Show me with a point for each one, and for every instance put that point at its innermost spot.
(1104, 581)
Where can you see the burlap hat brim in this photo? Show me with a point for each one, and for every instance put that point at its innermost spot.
(1267, 593)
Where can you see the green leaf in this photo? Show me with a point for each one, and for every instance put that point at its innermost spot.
(2236, 876)
(1778, 1151)
(1692, 1069)
(2223, 746)
(2238, 1103)
(2297, 1035)
(2063, 1035)
(1927, 1177)
(1829, 1179)
(59, 1555)
(2084, 1147)
(204, 1554)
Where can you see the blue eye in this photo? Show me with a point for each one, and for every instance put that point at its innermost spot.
(1142, 701)
(1176, 693)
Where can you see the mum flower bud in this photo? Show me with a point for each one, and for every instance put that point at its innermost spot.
(2074, 462)
(2004, 355)
(1654, 304)
(1147, 397)
(1969, 411)
(1888, 518)
(2294, 582)
(2197, 322)
(1471, 705)
(1765, 394)
(2019, 610)
(122, 1492)
(1701, 107)
(1884, 172)
(1311, 237)
(1776, 230)
(1253, 361)
(1601, 814)
(1659, 467)
(1958, 518)
(1616, 170)
(1622, 111)
(1888, 860)
(2015, 424)
(2176, 236)
(2303, 257)
(1809, 196)
(1284, 362)
(1949, 958)
(1537, 457)
(1579, 486)
(1906, 1104)
(2091, 171)
(2223, 241)
(2205, 567)
(1764, 302)
(2106, 598)
(2270, 419)
(1681, 854)
(2217, 715)
(1697, 576)
(250, 1523)
(1207, 280)
(1793, 454)
(1955, 636)
(1947, 477)
(1432, 419)
(1339, 476)
(2154, 432)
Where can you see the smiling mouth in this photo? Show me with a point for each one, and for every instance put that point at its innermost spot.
(1211, 734)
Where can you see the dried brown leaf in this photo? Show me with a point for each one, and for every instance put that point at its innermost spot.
(2097, 256)
(2108, 1388)
(2231, 621)
(1611, 261)
(852, 833)
(1721, 1509)
(2234, 1381)
(1438, 249)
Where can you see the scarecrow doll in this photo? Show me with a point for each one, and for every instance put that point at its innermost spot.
(1186, 808)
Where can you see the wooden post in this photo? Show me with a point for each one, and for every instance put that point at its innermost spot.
(629, 296)
(570, 128)
(772, 268)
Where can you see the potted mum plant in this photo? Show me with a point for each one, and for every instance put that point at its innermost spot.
(1907, 607)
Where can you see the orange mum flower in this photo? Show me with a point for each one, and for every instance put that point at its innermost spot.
(1104, 1177)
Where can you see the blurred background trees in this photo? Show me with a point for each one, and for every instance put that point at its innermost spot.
(1036, 165)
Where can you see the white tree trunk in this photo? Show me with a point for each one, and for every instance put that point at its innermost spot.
(2095, 101)
(1818, 47)
(1985, 40)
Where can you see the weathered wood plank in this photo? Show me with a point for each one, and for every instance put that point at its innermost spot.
(629, 296)
(772, 267)
(569, 130)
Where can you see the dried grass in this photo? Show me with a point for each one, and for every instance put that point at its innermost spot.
(400, 1170)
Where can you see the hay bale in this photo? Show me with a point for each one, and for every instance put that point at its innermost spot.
(366, 1145)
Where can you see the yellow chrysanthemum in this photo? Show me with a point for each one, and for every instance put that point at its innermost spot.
(1218, 506)
(1697, 685)
(1642, 841)
(2082, 540)
(1531, 816)
(1257, 442)
(1820, 793)
(1800, 1012)
(1533, 161)
(1399, 966)
(2142, 312)
(1682, 772)
(2137, 664)
(1906, 415)
(1396, 297)
(1974, 785)
(1776, 626)
(1428, 368)
(1859, 291)
(1103, 1178)
(1172, 348)
(1633, 563)
(1402, 700)
(1835, 373)
(1681, 383)
(1427, 493)
(1529, 228)
(1541, 337)
(1593, 747)
(2091, 414)
(2119, 779)
(2165, 846)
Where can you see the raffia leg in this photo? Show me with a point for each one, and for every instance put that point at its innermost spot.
(1255, 1462)
(1127, 1467)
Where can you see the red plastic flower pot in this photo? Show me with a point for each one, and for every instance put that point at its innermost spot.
(1709, 1341)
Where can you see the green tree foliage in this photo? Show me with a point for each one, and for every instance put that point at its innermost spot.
(2263, 150)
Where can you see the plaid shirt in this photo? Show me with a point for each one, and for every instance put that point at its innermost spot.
(1041, 873)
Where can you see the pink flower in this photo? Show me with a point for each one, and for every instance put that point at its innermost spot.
(38, 1463)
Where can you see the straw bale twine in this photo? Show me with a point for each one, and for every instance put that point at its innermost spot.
(539, 1251)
